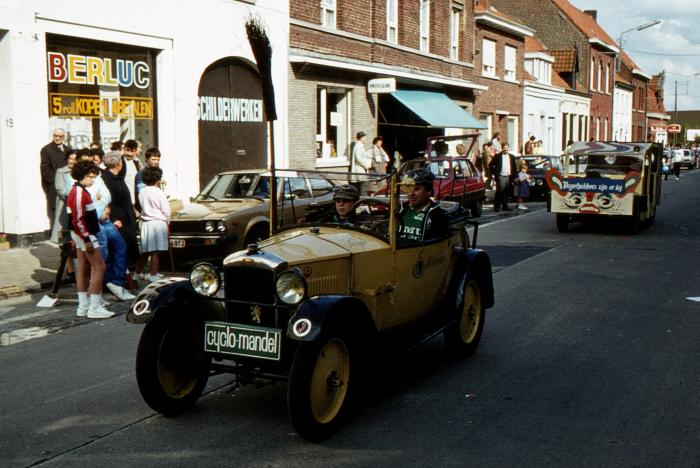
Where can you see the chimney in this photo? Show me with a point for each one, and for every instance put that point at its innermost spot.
(593, 14)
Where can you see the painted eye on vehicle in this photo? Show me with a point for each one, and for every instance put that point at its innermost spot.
(574, 200)
(604, 201)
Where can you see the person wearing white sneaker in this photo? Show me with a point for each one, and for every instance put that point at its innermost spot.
(120, 292)
(155, 216)
(84, 228)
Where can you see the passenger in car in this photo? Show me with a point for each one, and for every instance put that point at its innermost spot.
(421, 219)
(345, 198)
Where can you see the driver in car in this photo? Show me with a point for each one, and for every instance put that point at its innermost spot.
(344, 198)
(421, 219)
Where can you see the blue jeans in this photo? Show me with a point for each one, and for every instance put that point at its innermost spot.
(113, 249)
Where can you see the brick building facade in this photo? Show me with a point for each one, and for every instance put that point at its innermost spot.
(638, 81)
(498, 64)
(563, 27)
(337, 46)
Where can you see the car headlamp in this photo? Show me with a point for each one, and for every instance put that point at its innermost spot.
(532, 182)
(205, 279)
(209, 226)
(291, 287)
(540, 181)
(221, 226)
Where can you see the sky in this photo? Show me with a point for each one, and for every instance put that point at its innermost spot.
(673, 45)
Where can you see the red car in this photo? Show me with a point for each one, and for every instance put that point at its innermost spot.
(456, 179)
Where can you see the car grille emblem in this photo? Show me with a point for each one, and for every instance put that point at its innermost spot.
(255, 313)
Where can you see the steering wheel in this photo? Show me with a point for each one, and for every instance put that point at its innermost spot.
(371, 207)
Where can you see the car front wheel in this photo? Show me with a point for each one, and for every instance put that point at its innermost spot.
(319, 386)
(462, 338)
(171, 366)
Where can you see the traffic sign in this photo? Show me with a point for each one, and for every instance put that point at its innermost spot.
(674, 128)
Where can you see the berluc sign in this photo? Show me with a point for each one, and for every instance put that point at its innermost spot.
(381, 85)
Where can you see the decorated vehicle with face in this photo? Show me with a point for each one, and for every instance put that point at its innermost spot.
(606, 180)
(314, 305)
(233, 211)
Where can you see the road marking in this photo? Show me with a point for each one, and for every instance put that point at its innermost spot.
(22, 334)
(27, 316)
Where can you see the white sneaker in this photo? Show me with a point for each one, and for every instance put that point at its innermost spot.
(522, 207)
(156, 277)
(119, 292)
(82, 310)
(99, 312)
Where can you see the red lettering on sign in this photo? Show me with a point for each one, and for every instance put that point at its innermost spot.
(57, 67)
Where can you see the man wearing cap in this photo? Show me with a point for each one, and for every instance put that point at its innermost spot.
(361, 161)
(420, 218)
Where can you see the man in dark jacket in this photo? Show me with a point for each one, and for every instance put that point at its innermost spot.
(504, 171)
(122, 210)
(421, 219)
(52, 158)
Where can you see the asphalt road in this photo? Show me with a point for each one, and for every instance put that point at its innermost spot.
(590, 357)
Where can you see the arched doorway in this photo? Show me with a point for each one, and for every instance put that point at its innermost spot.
(232, 131)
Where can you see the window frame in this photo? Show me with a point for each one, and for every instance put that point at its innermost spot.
(592, 84)
(485, 68)
(455, 14)
(424, 25)
(514, 71)
(392, 25)
(326, 7)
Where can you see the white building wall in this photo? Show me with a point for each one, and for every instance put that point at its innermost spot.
(190, 36)
(622, 115)
(541, 115)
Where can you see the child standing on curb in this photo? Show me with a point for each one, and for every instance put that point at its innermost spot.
(155, 217)
(522, 188)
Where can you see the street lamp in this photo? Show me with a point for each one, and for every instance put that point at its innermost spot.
(638, 28)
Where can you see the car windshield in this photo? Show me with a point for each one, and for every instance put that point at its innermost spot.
(450, 146)
(241, 185)
(543, 163)
(600, 165)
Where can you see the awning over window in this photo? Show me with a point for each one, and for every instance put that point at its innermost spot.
(436, 109)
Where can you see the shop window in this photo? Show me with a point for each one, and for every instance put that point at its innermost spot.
(488, 58)
(328, 9)
(101, 92)
(454, 32)
(425, 25)
(392, 21)
(509, 65)
(485, 135)
(333, 116)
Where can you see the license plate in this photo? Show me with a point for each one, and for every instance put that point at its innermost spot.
(177, 243)
(242, 340)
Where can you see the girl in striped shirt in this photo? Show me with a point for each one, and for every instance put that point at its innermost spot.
(84, 228)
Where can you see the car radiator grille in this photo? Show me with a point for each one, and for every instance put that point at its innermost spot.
(253, 286)
(186, 226)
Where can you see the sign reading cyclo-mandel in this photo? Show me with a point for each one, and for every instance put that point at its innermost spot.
(100, 91)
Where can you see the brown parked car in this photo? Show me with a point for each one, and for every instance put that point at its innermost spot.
(233, 211)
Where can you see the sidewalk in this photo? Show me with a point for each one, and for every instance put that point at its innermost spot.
(24, 270)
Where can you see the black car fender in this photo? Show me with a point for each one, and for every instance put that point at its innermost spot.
(165, 293)
(310, 318)
(472, 263)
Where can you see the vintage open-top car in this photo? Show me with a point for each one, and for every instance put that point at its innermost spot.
(606, 180)
(313, 305)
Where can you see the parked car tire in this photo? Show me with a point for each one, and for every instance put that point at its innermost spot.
(319, 388)
(172, 368)
(462, 338)
(476, 209)
(562, 222)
